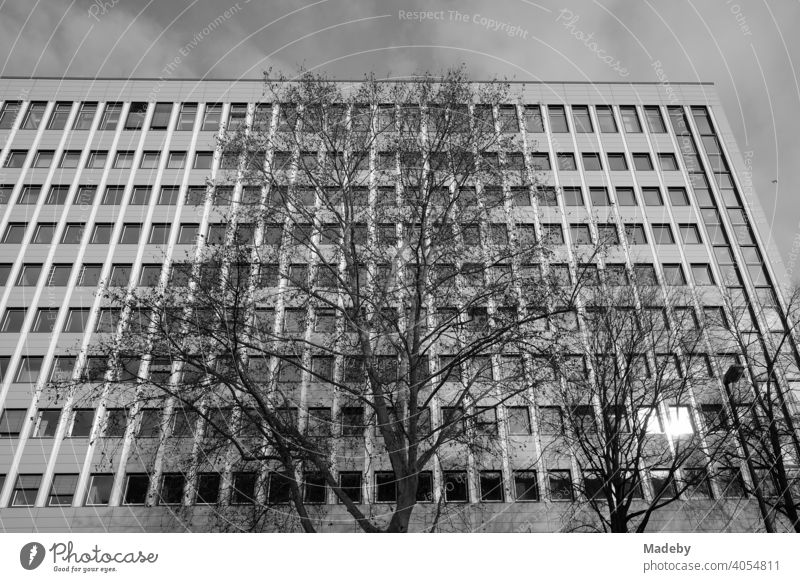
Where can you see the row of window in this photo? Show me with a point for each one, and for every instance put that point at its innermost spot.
(123, 160)
(243, 490)
(351, 423)
(507, 117)
(112, 113)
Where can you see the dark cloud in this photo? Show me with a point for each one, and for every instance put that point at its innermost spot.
(747, 49)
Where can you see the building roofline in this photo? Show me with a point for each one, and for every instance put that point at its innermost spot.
(261, 80)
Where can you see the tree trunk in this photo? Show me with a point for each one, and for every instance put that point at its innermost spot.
(619, 521)
(406, 500)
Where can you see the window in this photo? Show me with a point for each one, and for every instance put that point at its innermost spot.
(652, 196)
(8, 114)
(43, 159)
(581, 119)
(591, 161)
(161, 115)
(25, 490)
(12, 321)
(113, 195)
(140, 196)
(120, 275)
(57, 195)
(150, 275)
(123, 160)
(485, 417)
(532, 115)
(16, 159)
(44, 233)
(540, 161)
(491, 485)
(149, 160)
(45, 320)
(634, 233)
(168, 196)
(85, 195)
(580, 234)
(679, 420)
(655, 123)
(212, 117)
(58, 118)
(102, 233)
(203, 160)
(97, 159)
(11, 422)
(76, 321)
(130, 234)
(136, 115)
(136, 487)
(5, 271)
(645, 274)
(29, 275)
(70, 159)
(526, 486)
(667, 162)
(85, 116)
(314, 488)
(731, 482)
(186, 117)
(5, 193)
(207, 488)
(625, 196)
(558, 119)
(33, 117)
(159, 234)
(62, 491)
(699, 486)
(89, 275)
(550, 420)
(59, 275)
(678, 197)
(560, 483)
(690, 235)
(702, 275)
(605, 119)
(243, 488)
(385, 487)
(599, 196)
(350, 483)
(519, 420)
(116, 422)
(279, 488)
(99, 490)
(572, 196)
(617, 162)
(176, 160)
(15, 232)
(662, 234)
(455, 482)
(81, 426)
(566, 161)
(630, 119)
(607, 234)
(642, 162)
(111, 115)
(171, 491)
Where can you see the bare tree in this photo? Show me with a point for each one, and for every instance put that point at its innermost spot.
(623, 407)
(368, 279)
(761, 342)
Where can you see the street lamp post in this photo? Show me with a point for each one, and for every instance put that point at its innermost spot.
(732, 375)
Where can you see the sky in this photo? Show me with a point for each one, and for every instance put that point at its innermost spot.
(748, 48)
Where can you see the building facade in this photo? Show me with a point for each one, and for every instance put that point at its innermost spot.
(94, 185)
